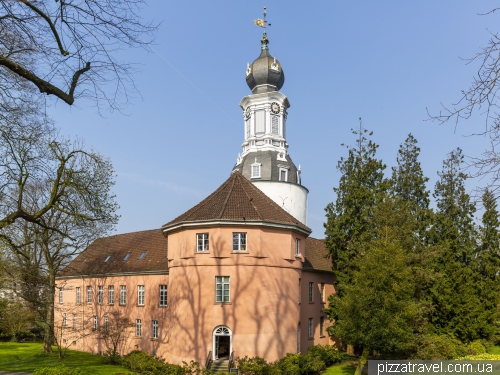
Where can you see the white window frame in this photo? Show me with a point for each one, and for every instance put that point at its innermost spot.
(310, 330)
(106, 324)
(78, 295)
(241, 244)
(255, 167)
(286, 174)
(96, 323)
(163, 295)
(154, 329)
(297, 247)
(89, 294)
(65, 320)
(138, 328)
(322, 291)
(202, 242)
(111, 295)
(74, 321)
(140, 295)
(123, 294)
(100, 294)
(311, 292)
(61, 295)
(321, 326)
(222, 284)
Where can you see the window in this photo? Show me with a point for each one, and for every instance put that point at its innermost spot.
(100, 294)
(310, 332)
(311, 292)
(298, 338)
(163, 295)
(61, 293)
(74, 321)
(142, 255)
(322, 291)
(96, 323)
(255, 170)
(300, 292)
(202, 242)
(140, 295)
(78, 295)
(283, 174)
(107, 258)
(106, 324)
(138, 327)
(239, 242)
(275, 124)
(297, 247)
(222, 289)
(89, 294)
(260, 122)
(155, 329)
(126, 257)
(322, 326)
(65, 320)
(123, 294)
(111, 294)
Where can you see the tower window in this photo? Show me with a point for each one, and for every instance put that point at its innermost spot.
(202, 242)
(260, 122)
(255, 170)
(239, 241)
(283, 174)
(275, 124)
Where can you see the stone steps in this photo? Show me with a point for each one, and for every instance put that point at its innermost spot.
(219, 365)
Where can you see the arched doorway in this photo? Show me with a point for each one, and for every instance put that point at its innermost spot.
(222, 342)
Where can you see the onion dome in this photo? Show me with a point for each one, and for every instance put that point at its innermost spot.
(265, 74)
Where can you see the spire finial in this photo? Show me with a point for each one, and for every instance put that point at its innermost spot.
(264, 24)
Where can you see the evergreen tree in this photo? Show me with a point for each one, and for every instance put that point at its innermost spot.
(361, 188)
(489, 250)
(377, 309)
(457, 307)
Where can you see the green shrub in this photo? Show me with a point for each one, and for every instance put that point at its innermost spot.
(327, 353)
(299, 364)
(59, 370)
(111, 357)
(193, 368)
(432, 347)
(475, 348)
(256, 366)
(147, 364)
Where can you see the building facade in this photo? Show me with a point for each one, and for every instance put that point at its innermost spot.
(237, 273)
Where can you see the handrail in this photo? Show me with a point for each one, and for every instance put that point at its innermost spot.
(230, 363)
(208, 362)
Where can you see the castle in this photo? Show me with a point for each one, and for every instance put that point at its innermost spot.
(235, 275)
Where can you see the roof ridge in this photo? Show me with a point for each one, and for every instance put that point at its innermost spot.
(250, 199)
(224, 205)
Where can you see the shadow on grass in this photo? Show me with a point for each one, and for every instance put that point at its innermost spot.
(26, 357)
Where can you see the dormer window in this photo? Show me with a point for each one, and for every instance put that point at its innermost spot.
(283, 174)
(142, 255)
(126, 257)
(107, 258)
(255, 169)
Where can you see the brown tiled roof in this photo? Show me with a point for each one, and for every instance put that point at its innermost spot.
(237, 199)
(91, 261)
(315, 256)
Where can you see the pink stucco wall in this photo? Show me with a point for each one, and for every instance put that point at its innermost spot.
(264, 309)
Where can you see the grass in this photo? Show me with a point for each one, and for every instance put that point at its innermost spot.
(340, 369)
(494, 350)
(26, 357)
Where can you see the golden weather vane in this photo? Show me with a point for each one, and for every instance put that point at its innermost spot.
(262, 22)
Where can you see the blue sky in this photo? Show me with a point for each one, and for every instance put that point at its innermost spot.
(384, 61)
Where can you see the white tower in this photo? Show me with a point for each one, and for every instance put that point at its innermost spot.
(265, 160)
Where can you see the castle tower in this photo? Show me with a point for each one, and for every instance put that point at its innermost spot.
(265, 160)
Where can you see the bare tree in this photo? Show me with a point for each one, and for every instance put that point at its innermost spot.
(68, 48)
(482, 97)
(114, 331)
(70, 327)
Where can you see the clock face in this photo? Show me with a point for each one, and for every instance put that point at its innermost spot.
(275, 108)
(247, 112)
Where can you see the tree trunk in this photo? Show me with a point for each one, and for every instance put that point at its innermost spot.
(362, 361)
(49, 320)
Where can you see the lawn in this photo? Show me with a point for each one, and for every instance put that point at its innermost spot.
(494, 350)
(340, 369)
(26, 357)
